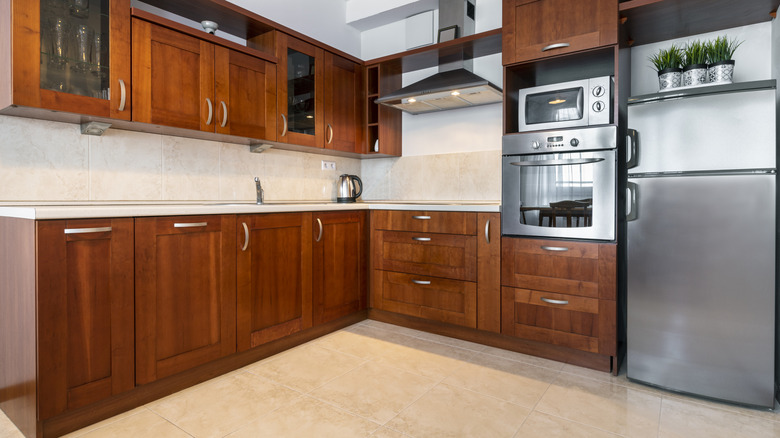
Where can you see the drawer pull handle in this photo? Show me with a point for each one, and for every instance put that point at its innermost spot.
(555, 46)
(190, 225)
(246, 237)
(422, 239)
(555, 248)
(87, 230)
(421, 281)
(551, 301)
(422, 218)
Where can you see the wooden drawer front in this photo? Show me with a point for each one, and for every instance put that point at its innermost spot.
(437, 255)
(438, 299)
(574, 322)
(447, 222)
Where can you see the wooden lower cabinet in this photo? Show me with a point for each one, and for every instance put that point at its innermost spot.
(185, 292)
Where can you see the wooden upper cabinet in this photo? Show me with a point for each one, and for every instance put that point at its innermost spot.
(55, 63)
(85, 312)
(534, 29)
(344, 114)
(185, 293)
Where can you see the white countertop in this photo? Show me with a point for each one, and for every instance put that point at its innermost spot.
(85, 210)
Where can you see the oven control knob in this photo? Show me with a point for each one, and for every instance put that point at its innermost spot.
(574, 142)
(535, 144)
(598, 91)
(598, 106)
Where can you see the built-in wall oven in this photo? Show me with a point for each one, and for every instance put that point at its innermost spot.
(560, 184)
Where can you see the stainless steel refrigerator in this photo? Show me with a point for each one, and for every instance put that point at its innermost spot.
(701, 246)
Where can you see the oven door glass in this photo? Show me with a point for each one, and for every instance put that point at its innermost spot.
(554, 106)
(568, 195)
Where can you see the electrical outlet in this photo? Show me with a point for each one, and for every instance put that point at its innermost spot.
(328, 165)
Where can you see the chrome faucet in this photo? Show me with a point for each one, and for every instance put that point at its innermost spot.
(259, 189)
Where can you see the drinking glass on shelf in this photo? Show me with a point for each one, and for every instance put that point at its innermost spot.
(57, 42)
(97, 54)
(83, 48)
(79, 8)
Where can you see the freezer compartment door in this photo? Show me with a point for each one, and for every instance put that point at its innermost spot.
(701, 286)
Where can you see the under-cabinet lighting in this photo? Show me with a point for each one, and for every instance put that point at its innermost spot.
(94, 128)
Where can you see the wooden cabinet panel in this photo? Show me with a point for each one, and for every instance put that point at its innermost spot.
(489, 272)
(343, 110)
(339, 265)
(438, 299)
(531, 28)
(85, 312)
(274, 277)
(185, 293)
(438, 255)
(448, 222)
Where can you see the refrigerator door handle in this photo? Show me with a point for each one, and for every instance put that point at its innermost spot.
(632, 148)
(632, 214)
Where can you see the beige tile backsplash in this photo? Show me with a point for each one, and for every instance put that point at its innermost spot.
(51, 161)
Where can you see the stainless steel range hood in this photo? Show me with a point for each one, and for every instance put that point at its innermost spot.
(455, 85)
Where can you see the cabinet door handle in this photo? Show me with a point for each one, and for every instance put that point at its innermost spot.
(211, 111)
(87, 230)
(224, 111)
(319, 222)
(487, 231)
(424, 282)
(555, 46)
(558, 302)
(422, 218)
(190, 225)
(422, 239)
(284, 127)
(330, 133)
(122, 95)
(554, 248)
(246, 237)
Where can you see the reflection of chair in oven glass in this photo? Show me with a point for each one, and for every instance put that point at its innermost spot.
(580, 211)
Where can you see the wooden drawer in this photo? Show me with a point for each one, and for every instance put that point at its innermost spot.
(447, 222)
(438, 299)
(567, 320)
(437, 255)
(575, 268)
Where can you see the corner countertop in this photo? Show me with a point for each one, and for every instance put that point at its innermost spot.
(86, 210)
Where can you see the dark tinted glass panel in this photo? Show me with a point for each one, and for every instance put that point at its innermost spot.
(300, 92)
(554, 106)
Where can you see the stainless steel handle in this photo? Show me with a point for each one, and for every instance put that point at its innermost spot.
(555, 46)
(284, 128)
(421, 281)
(246, 237)
(211, 111)
(567, 162)
(422, 239)
(632, 214)
(330, 131)
(554, 248)
(87, 230)
(551, 301)
(224, 111)
(122, 95)
(487, 231)
(424, 218)
(632, 138)
(190, 225)
(319, 222)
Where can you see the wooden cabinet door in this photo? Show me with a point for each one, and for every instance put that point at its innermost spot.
(536, 29)
(301, 90)
(85, 312)
(339, 264)
(173, 78)
(185, 293)
(489, 272)
(274, 277)
(343, 104)
(245, 95)
(79, 92)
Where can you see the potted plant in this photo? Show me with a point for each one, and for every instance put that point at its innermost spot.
(720, 52)
(667, 62)
(694, 63)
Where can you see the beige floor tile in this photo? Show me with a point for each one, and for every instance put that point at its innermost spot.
(384, 432)
(515, 382)
(607, 406)
(374, 391)
(106, 422)
(452, 341)
(142, 423)
(224, 404)
(525, 358)
(7, 428)
(425, 358)
(363, 341)
(306, 368)
(750, 412)
(539, 425)
(449, 411)
(307, 417)
(684, 419)
(394, 328)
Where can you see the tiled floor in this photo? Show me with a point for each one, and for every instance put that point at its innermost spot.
(378, 380)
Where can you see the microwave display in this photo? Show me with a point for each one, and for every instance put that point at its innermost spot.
(554, 106)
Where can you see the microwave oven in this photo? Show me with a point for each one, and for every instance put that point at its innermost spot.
(581, 103)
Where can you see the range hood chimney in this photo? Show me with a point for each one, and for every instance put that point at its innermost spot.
(455, 85)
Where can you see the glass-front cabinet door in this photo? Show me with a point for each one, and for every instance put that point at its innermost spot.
(73, 56)
(301, 80)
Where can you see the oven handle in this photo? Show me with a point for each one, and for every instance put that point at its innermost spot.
(567, 162)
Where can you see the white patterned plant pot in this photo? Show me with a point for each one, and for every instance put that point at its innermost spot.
(721, 72)
(695, 74)
(669, 78)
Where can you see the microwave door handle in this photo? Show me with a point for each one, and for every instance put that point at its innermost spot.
(567, 162)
